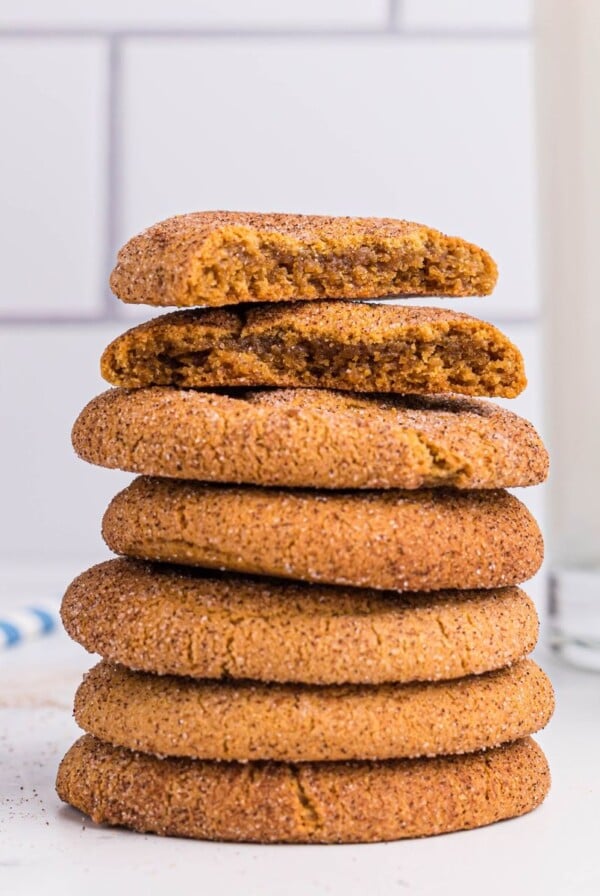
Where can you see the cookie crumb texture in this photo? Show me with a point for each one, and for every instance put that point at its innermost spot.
(242, 721)
(311, 438)
(224, 258)
(329, 802)
(205, 625)
(337, 345)
(424, 540)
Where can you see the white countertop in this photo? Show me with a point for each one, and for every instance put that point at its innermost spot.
(48, 848)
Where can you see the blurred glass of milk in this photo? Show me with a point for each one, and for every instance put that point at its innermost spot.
(568, 147)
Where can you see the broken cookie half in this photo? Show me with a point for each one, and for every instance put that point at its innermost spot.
(225, 258)
(352, 346)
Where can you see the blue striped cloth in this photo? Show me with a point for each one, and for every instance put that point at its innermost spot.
(27, 623)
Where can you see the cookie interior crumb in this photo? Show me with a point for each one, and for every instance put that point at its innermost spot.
(220, 258)
(349, 346)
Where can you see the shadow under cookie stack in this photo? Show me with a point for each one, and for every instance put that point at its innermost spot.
(314, 631)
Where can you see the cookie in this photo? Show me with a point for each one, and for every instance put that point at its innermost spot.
(328, 802)
(172, 621)
(352, 346)
(223, 258)
(311, 438)
(422, 540)
(240, 721)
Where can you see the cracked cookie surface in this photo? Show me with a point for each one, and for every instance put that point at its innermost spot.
(245, 720)
(353, 346)
(224, 258)
(312, 438)
(205, 625)
(420, 540)
(327, 802)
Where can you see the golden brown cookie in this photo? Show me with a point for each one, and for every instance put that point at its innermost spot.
(422, 540)
(223, 258)
(352, 346)
(327, 802)
(240, 721)
(164, 619)
(312, 438)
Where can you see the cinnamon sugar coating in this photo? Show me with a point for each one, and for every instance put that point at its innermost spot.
(224, 258)
(327, 802)
(188, 622)
(422, 540)
(244, 720)
(373, 686)
(311, 438)
(352, 346)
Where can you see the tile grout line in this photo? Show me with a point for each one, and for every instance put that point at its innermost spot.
(53, 320)
(394, 16)
(112, 171)
(386, 32)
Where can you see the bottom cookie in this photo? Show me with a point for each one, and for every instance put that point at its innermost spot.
(324, 802)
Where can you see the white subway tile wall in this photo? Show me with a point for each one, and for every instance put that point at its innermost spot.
(468, 14)
(118, 114)
(53, 108)
(52, 501)
(343, 127)
(231, 14)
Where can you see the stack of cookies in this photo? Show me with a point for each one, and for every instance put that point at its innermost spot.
(314, 631)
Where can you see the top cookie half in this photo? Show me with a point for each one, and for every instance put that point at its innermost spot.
(225, 258)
